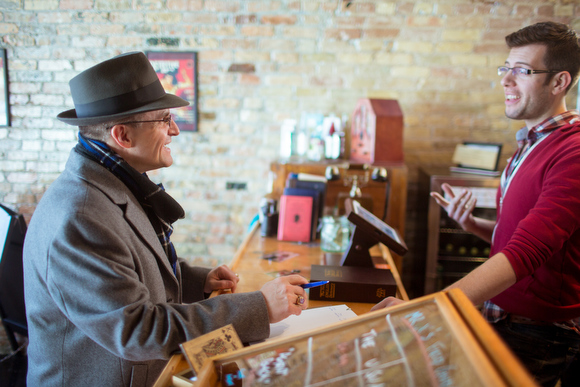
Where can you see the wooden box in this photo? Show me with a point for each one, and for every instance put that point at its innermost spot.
(376, 132)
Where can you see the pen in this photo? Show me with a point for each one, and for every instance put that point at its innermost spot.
(314, 284)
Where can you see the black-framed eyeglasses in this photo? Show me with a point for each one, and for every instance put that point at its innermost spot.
(520, 71)
(166, 120)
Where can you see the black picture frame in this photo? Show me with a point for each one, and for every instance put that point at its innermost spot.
(177, 72)
(4, 94)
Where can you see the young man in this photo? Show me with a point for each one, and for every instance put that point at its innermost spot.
(107, 299)
(532, 278)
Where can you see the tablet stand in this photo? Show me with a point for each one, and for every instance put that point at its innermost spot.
(358, 251)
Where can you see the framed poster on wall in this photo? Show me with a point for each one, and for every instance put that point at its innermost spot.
(5, 103)
(177, 72)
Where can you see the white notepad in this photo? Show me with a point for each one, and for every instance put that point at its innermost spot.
(310, 319)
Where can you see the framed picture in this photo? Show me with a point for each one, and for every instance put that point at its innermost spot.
(177, 72)
(478, 155)
(5, 103)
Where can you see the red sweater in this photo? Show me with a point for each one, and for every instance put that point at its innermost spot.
(538, 230)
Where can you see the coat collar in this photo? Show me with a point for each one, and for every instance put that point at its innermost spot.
(103, 180)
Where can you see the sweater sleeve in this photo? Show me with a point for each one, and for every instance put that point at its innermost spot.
(119, 308)
(554, 218)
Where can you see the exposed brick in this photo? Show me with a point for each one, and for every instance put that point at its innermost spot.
(386, 8)
(461, 34)
(269, 6)
(108, 5)
(250, 79)
(343, 34)
(222, 5)
(8, 28)
(40, 5)
(76, 4)
(241, 68)
(257, 31)
(261, 62)
(564, 10)
(11, 4)
(246, 19)
(454, 47)
(425, 21)
(279, 19)
(168, 42)
(185, 5)
(218, 30)
(381, 32)
(545, 10)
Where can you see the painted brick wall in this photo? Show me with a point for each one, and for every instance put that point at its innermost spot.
(261, 62)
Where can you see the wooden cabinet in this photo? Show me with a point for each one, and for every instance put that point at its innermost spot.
(452, 252)
(389, 199)
(394, 191)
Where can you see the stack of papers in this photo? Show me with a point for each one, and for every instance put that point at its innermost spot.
(310, 319)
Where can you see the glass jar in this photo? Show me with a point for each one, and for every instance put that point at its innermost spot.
(335, 234)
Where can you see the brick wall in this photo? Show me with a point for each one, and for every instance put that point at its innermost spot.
(261, 62)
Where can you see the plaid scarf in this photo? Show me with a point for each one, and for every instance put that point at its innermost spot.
(161, 209)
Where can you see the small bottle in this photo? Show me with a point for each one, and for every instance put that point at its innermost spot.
(302, 141)
(329, 144)
(287, 134)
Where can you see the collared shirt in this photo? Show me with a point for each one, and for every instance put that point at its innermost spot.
(526, 139)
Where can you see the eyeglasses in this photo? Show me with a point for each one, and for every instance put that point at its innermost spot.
(520, 71)
(166, 120)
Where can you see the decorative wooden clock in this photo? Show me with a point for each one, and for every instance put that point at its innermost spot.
(377, 132)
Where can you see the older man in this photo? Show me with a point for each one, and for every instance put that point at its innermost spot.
(107, 299)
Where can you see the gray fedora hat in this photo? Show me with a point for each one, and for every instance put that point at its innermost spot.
(119, 87)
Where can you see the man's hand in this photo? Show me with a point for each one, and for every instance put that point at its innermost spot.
(222, 277)
(459, 208)
(284, 296)
(389, 301)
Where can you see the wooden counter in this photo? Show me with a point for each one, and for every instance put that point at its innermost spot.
(255, 272)
(439, 339)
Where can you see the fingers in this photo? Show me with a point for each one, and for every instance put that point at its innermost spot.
(295, 279)
(439, 199)
(387, 302)
(221, 277)
(284, 296)
(458, 204)
(236, 280)
(461, 205)
(445, 187)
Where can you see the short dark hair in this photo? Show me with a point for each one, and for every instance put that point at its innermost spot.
(562, 46)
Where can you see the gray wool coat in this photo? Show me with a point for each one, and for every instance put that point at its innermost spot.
(103, 305)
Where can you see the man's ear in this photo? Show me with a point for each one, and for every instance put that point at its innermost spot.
(121, 136)
(560, 82)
